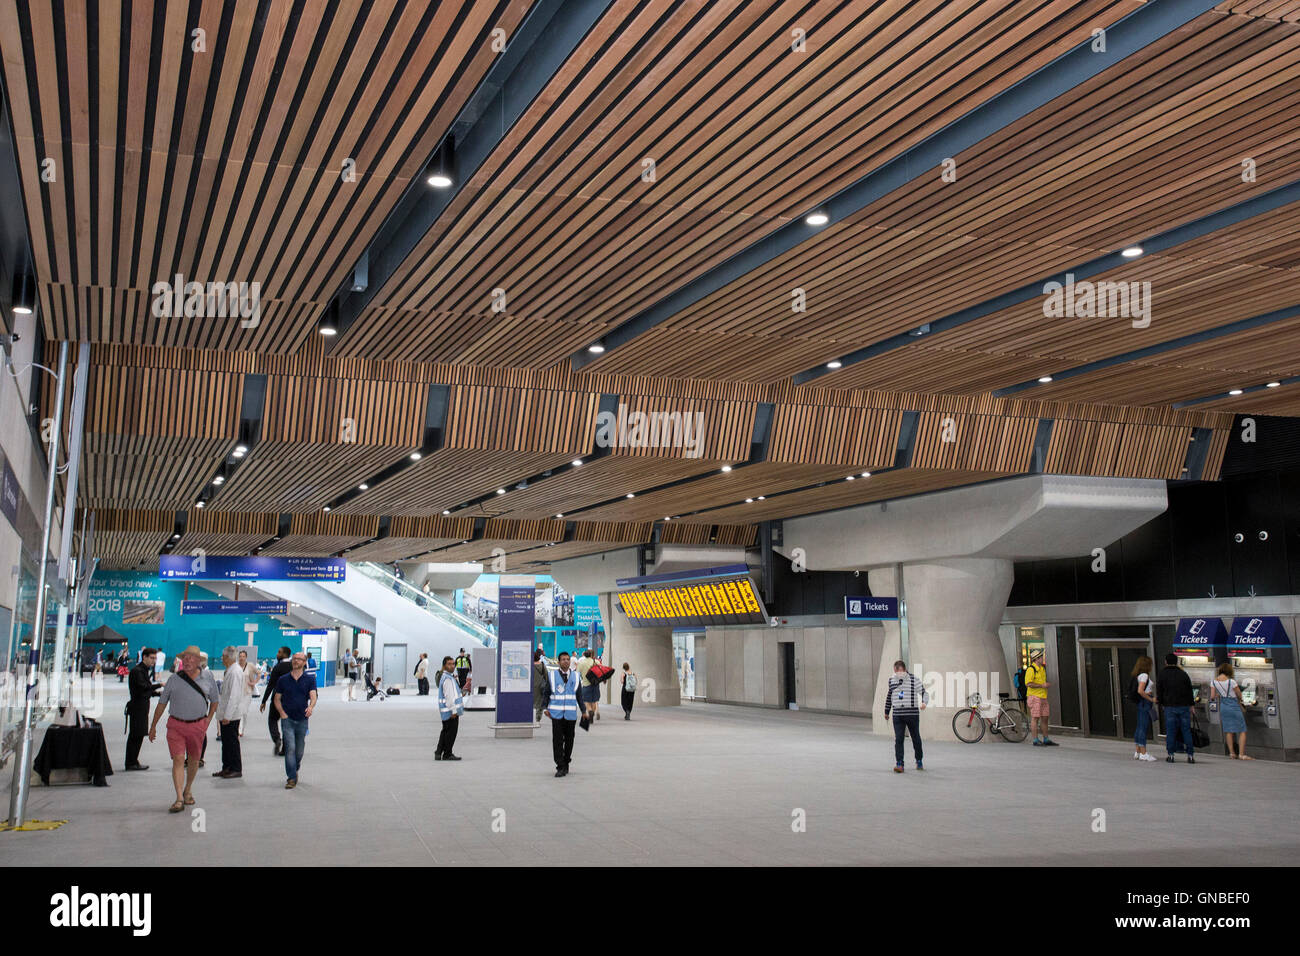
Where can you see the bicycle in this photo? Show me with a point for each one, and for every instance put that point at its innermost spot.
(1011, 723)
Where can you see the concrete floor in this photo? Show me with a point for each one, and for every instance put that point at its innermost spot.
(696, 785)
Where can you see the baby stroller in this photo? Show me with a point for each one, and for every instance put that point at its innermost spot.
(373, 689)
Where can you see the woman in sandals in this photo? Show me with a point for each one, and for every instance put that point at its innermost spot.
(191, 696)
(1233, 720)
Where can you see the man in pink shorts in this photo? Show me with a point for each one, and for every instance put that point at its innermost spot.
(1036, 684)
(191, 696)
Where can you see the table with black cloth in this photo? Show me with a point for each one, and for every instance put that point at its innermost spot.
(74, 748)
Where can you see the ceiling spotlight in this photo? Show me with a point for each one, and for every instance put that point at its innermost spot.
(236, 454)
(818, 218)
(199, 504)
(1273, 385)
(850, 477)
(577, 463)
(415, 456)
(1234, 391)
(595, 348)
(446, 511)
(762, 497)
(24, 294)
(241, 449)
(749, 501)
(559, 516)
(329, 322)
(442, 171)
(630, 495)
(326, 508)
(726, 468)
(363, 487)
(866, 474)
(1044, 379)
(1132, 252)
(920, 330)
(175, 536)
(218, 480)
(668, 517)
(834, 364)
(501, 491)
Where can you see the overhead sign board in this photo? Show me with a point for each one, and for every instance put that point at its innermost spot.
(1256, 635)
(860, 608)
(234, 607)
(1200, 633)
(180, 567)
(697, 603)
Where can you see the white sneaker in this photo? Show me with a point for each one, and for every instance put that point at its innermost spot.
(1136, 755)
(1148, 757)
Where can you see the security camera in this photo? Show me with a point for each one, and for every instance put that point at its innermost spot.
(1238, 537)
(1263, 536)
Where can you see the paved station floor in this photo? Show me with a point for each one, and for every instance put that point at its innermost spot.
(701, 784)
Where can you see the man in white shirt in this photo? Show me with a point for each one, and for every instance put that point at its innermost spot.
(422, 675)
(231, 706)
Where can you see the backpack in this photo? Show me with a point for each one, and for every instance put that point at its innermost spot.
(629, 682)
(1131, 695)
(1018, 680)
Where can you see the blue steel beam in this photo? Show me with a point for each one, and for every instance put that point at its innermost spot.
(1139, 29)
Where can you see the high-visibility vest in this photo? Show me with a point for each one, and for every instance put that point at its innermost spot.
(462, 662)
(449, 700)
(564, 696)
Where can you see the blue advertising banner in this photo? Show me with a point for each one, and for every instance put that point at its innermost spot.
(1256, 635)
(1200, 632)
(870, 608)
(234, 607)
(515, 654)
(180, 567)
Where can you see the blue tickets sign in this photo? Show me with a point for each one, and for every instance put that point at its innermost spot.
(1256, 635)
(870, 608)
(1200, 632)
(234, 607)
(181, 567)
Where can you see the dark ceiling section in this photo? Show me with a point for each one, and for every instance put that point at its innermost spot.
(1272, 444)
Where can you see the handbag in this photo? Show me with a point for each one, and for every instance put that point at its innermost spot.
(1200, 739)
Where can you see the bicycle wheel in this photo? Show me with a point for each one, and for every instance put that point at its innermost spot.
(1014, 724)
(968, 725)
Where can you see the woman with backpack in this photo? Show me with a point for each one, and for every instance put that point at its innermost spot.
(1227, 692)
(629, 690)
(1142, 693)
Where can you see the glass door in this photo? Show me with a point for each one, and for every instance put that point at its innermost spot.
(1107, 668)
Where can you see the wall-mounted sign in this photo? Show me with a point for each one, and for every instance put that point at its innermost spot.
(1200, 633)
(234, 607)
(870, 608)
(180, 567)
(1256, 635)
(694, 604)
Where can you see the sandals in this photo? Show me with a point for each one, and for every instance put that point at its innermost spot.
(1244, 757)
(176, 807)
(189, 800)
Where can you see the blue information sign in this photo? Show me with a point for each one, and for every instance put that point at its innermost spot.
(1200, 632)
(515, 654)
(234, 607)
(870, 608)
(180, 567)
(1257, 635)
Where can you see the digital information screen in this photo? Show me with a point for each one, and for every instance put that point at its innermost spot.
(694, 604)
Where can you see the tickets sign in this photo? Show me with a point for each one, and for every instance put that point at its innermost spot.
(694, 604)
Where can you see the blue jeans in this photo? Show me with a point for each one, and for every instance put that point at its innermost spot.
(1178, 725)
(1143, 724)
(294, 733)
(910, 724)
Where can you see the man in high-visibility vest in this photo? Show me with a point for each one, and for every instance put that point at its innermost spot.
(462, 667)
(450, 707)
(561, 705)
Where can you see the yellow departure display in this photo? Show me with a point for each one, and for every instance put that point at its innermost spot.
(694, 604)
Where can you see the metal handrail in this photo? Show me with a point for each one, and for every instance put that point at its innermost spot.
(428, 602)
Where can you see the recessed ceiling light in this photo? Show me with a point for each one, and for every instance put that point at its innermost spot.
(1044, 379)
(595, 348)
(362, 487)
(559, 516)
(501, 491)
(1234, 391)
(726, 468)
(237, 454)
(415, 456)
(1273, 385)
(23, 296)
(175, 536)
(866, 474)
(1132, 252)
(850, 477)
(817, 219)
(834, 364)
(198, 504)
(326, 508)
(630, 495)
(577, 463)
(241, 449)
(446, 511)
(762, 497)
(668, 517)
(218, 480)
(749, 501)
(439, 180)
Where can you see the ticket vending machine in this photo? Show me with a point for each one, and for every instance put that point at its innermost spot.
(1263, 662)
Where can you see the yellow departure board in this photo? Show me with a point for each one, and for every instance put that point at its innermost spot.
(695, 604)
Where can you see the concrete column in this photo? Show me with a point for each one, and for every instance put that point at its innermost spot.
(954, 608)
(650, 652)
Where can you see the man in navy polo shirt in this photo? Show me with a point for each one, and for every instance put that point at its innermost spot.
(295, 697)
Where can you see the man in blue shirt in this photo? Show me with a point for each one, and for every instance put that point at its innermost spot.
(295, 697)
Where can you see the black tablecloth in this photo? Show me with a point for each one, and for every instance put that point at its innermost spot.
(72, 748)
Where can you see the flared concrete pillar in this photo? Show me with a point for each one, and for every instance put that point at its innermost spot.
(650, 652)
(954, 608)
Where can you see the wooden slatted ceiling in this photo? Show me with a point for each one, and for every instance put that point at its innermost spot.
(126, 538)
(225, 164)
(217, 533)
(1109, 449)
(1081, 177)
(321, 535)
(407, 536)
(844, 494)
(1284, 10)
(657, 80)
(1235, 274)
(322, 437)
